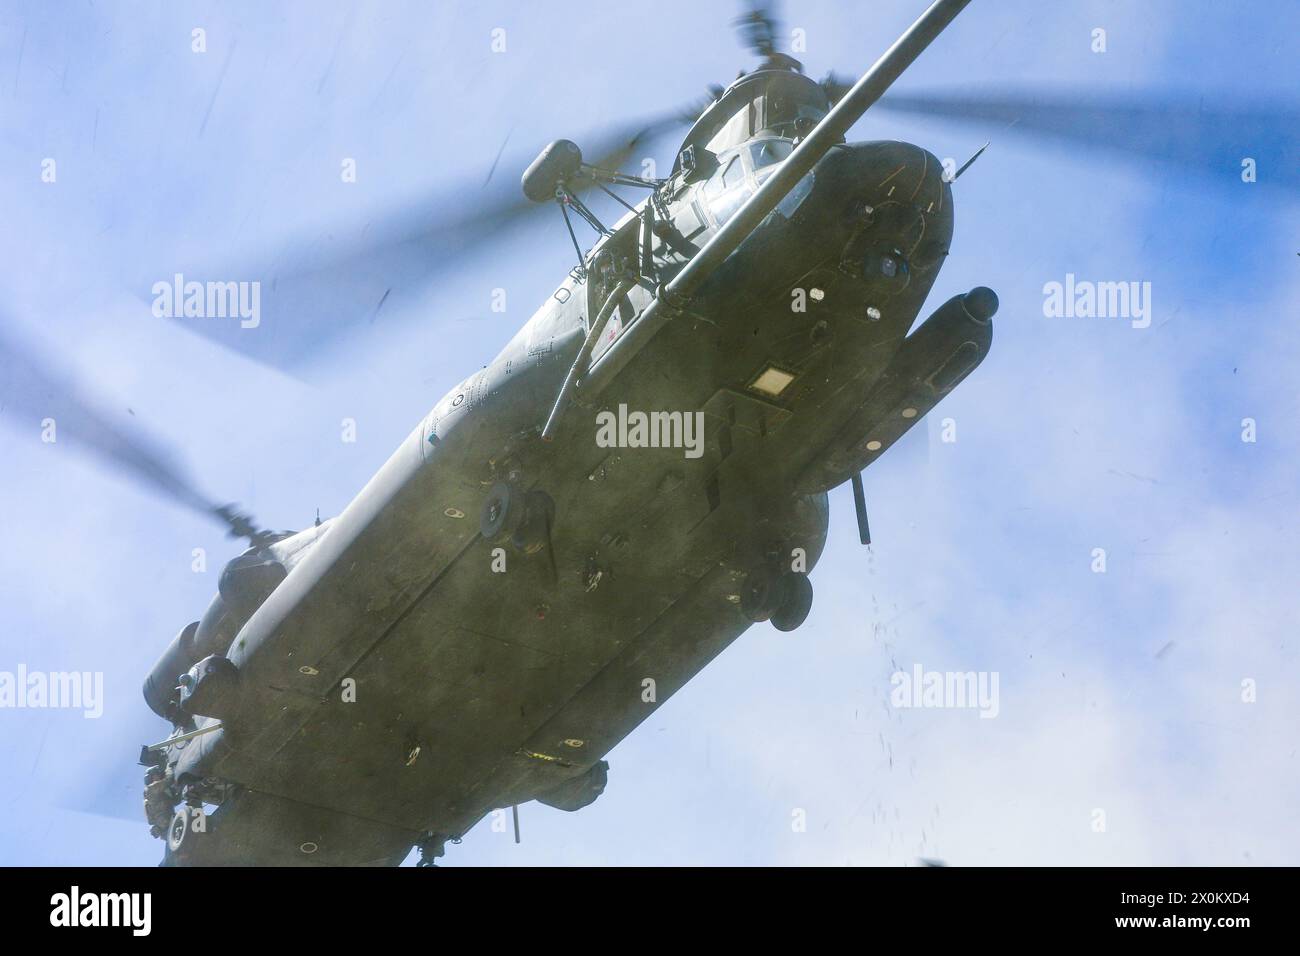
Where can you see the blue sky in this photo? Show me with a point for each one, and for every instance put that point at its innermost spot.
(1075, 434)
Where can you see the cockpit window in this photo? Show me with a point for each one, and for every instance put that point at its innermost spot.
(790, 103)
(777, 102)
(737, 129)
(769, 151)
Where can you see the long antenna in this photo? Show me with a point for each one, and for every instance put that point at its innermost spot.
(970, 162)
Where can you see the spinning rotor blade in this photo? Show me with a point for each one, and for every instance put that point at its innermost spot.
(614, 156)
(35, 393)
(327, 287)
(1179, 131)
(836, 86)
(336, 282)
(454, 220)
(758, 28)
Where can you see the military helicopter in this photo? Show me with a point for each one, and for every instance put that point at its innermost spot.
(373, 683)
(628, 561)
(576, 530)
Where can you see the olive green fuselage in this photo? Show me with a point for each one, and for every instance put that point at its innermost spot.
(409, 676)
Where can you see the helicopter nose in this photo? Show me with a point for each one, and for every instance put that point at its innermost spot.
(900, 204)
(900, 172)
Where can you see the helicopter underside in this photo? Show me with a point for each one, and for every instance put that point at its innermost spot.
(409, 676)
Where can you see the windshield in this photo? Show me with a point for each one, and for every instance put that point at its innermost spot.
(794, 105)
(737, 130)
(777, 102)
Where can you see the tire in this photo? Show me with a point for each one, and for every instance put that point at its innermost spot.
(501, 513)
(182, 841)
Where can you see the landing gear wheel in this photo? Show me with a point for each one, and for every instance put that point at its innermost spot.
(760, 596)
(179, 829)
(796, 601)
(534, 531)
(502, 512)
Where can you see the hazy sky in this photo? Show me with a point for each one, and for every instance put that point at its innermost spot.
(1120, 692)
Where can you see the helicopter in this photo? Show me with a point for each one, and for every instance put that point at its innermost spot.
(376, 682)
(631, 564)
(478, 627)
